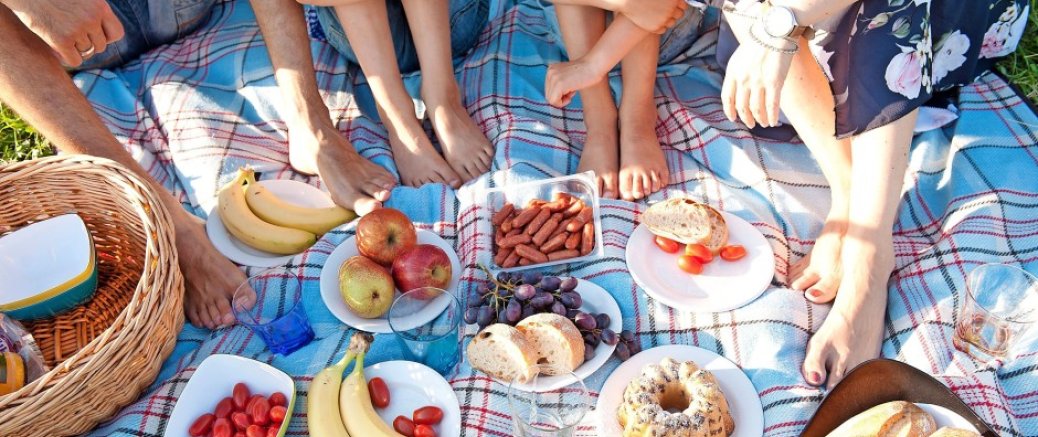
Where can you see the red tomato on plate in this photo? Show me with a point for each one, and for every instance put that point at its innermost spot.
(734, 252)
(424, 431)
(240, 395)
(428, 415)
(404, 426)
(699, 252)
(690, 264)
(667, 245)
(201, 426)
(224, 408)
(379, 392)
(279, 399)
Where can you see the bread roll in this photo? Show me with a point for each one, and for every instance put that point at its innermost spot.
(954, 432)
(687, 221)
(555, 340)
(892, 419)
(502, 352)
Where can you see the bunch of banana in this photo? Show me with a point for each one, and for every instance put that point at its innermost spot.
(322, 415)
(356, 409)
(258, 218)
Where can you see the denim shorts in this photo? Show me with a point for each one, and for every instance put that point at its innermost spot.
(148, 24)
(467, 20)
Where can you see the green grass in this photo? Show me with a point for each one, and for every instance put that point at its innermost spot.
(19, 141)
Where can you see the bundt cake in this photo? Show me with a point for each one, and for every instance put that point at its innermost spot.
(675, 399)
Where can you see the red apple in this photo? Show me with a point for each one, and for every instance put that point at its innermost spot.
(384, 234)
(424, 265)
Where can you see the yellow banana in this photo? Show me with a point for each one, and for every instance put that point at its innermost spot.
(274, 210)
(322, 402)
(246, 227)
(355, 405)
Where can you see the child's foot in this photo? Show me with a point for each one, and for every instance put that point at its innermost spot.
(417, 160)
(643, 166)
(302, 150)
(353, 181)
(601, 154)
(852, 333)
(464, 145)
(818, 273)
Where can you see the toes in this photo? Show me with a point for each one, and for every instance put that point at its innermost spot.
(824, 291)
(214, 316)
(192, 315)
(806, 280)
(365, 205)
(796, 270)
(627, 186)
(657, 181)
(815, 361)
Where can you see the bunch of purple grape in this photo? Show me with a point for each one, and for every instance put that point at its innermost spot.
(511, 297)
(627, 346)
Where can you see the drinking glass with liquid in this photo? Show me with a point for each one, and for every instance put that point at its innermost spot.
(1001, 303)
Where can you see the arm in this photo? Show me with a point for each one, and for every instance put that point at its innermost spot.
(655, 16)
(565, 79)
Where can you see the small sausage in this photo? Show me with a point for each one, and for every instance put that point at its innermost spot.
(531, 253)
(514, 240)
(560, 202)
(563, 254)
(525, 217)
(537, 222)
(547, 230)
(500, 216)
(498, 235)
(506, 227)
(554, 243)
(574, 209)
(511, 261)
(513, 233)
(587, 242)
(579, 220)
(573, 241)
(535, 203)
(524, 262)
(561, 228)
(502, 255)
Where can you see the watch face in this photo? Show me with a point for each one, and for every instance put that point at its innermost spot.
(779, 22)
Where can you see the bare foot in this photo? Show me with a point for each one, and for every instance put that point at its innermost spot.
(643, 167)
(852, 333)
(302, 150)
(818, 273)
(601, 155)
(209, 279)
(465, 147)
(416, 159)
(353, 181)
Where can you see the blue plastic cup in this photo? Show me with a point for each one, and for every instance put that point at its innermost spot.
(426, 321)
(269, 303)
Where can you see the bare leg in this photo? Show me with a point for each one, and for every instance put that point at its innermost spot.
(582, 26)
(465, 146)
(643, 167)
(37, 84)
(853, 330)
(807, 101)
(367, 26)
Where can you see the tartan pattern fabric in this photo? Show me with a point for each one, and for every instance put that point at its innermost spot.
(194, 111)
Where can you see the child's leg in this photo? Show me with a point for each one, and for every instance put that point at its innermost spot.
(807, 101)
(367, 27)
(582, 26)
(643, 167)
(464, 145)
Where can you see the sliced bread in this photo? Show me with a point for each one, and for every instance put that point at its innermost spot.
(686, 221)
(502, 352)
(556, 341)
(892, 419)
(954, 432)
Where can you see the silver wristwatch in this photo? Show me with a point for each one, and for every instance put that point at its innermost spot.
(779, 21)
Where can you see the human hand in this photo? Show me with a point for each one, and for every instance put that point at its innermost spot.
(753, 82)
(564, 79)
(655, 16)
(74, 29)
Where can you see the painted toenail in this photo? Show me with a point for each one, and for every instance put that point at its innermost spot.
(814, 292)
(814, 378)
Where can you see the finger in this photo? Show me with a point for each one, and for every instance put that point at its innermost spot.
(742, 106)
(728, 90)
(112, 27)
(757, 109)
(97, 41)
(566, 99)
(772, 103)
(814, 363)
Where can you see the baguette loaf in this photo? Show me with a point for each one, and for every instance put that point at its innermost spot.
(892, 419)
(556, 341)
(502, 352)
(954, 432)
(687, 221)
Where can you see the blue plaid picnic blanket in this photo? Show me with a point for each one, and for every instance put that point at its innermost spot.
(194, 111)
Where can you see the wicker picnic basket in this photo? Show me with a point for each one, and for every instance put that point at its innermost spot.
(105, 352)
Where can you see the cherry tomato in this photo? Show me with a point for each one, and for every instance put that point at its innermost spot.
(666, 244)
(239, 434)
(279, 398)
(221, 428)
(404, 426)
(261, 412)
(201, 426)
(734, 252)
(277, 414)
(240, 395)
(273, 431)
(251, 404)
(224, 408)
(256, 431)
(428, 415)
(699, 252)
(690, 264)
(240, 420)
(424, 431)
(379, 392)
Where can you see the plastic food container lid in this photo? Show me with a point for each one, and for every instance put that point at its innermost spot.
(44, 260)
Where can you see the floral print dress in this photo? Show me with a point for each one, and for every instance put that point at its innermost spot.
(885, 58)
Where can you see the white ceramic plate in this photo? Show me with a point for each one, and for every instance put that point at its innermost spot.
(723, 285)
(215, 379)
(348, 248)
(294, 192)
(945, 417)
(743, 401)
(413, 386)
(595, 300)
